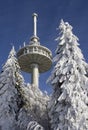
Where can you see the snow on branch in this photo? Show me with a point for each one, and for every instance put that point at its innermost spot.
(33, 125)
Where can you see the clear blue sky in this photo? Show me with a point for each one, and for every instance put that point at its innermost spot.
(16, 25)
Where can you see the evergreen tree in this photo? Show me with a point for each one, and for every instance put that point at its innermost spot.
(35, 108)
(68, 108)
(10, 99)
(20, 104)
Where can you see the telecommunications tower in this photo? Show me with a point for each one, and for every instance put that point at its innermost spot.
(34, 58)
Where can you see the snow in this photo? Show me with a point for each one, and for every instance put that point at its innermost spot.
(33, 125)
(68, 107)
(8, 94)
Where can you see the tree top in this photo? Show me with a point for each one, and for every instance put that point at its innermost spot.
(12, 52)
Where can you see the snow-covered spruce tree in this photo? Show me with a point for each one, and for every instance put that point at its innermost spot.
(35, 107)
(68, 108)
(10, 99)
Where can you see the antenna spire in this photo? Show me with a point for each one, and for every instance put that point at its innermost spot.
(35, 24)
(35, 38)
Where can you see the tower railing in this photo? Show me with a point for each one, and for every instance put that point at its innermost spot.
(35, 49)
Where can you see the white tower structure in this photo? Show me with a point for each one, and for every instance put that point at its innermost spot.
(34, 58)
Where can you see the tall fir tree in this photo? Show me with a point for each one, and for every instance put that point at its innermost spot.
(68, 108)
(10, 99)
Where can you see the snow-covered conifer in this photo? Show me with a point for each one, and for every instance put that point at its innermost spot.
(35, 107)
(68, 108)
(10, 100)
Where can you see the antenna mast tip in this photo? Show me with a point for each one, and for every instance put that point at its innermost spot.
(34, 14)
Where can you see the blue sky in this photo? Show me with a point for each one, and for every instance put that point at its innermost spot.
(16, 25)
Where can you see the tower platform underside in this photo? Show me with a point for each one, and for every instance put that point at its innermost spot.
(34, 55)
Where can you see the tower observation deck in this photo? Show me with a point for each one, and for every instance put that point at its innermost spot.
(34, 58)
